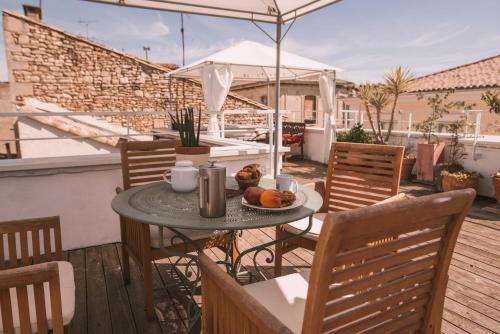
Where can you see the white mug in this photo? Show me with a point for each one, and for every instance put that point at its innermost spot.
(286, 182)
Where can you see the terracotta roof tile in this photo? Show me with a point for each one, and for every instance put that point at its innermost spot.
(484, 73)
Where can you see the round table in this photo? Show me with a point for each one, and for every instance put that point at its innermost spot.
(157, 204)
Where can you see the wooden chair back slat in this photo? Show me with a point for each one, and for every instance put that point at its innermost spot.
(24, 309)
(35, 235)
(40, 307)
(361, 175)
(13, 259)
(47, 244)
(359, 285)
(6, 308)
(19, 279)
(25, 256)
(21, 235)
(146, 161)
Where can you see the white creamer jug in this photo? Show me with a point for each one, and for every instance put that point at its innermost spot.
(184, 177)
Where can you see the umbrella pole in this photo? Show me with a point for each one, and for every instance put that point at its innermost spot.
(277, 97)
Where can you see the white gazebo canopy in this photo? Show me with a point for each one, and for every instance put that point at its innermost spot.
(271, 11)
(252, 61)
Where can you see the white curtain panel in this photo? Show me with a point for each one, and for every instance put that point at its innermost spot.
(328, 103)
(216, 83)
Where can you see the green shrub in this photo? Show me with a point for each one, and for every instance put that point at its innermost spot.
(355, 135)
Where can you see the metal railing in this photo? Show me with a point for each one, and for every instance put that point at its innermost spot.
(125, 114)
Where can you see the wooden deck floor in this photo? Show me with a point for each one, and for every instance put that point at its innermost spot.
(106, 305)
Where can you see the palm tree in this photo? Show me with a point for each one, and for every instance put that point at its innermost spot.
(379, 99)
(396, 83)
(365, 94)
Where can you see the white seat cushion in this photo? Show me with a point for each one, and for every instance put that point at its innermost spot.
(285, 297)
(168, 234)
(300, 225)
(67, 283)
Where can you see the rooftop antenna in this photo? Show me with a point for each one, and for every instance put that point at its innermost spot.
(182, 36)
(146, 50)
(86, 23)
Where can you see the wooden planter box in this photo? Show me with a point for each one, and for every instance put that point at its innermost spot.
(452, 183)
(496, 186)
(406, 168)
(427, 157)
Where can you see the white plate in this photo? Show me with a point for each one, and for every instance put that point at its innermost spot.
(301, 198)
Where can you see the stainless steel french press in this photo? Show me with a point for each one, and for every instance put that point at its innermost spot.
(212, 190)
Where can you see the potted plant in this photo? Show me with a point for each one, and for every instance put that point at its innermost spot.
(492, 100)
(429, 153)
(495, 178)
(408, 163)
(190, 148)
(453, 174)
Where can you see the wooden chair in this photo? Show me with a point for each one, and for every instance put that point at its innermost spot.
(27, 249)
(145, 162)
(354, 285)
(358, 175)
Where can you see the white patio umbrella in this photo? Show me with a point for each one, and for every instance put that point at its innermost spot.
(278, 12)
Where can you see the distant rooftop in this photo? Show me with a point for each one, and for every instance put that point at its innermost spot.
(484, 73)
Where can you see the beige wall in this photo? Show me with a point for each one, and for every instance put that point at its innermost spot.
(490, 123)
(292, 97)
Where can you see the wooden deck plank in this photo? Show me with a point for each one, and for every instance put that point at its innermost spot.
(99, 319)
(484, 323)
(476, 254)
(79, 323)
(475, 282)
(122, 319)
(473, 304)
(449, 328)
(474, 295)
(136, 298)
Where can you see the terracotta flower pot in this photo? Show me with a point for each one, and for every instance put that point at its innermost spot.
(199, 155)
(427, 157)
(496, 186)
(451, 182)
(406, 168)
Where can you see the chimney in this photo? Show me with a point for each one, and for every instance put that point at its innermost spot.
(33, 12)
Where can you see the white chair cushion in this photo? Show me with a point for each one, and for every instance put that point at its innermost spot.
(300, 225)
(67, 283)
(285, 297)
(168, 234)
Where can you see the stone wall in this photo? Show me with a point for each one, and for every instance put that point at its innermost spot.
(81, 75)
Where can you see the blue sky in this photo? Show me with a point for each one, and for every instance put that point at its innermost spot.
(364, 37)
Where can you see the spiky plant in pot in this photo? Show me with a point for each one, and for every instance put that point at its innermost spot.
(184, 122)
(189, 133)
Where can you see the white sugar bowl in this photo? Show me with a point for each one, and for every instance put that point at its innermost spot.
(184, 177)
